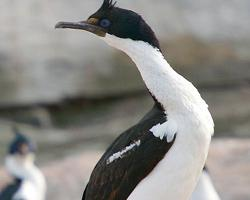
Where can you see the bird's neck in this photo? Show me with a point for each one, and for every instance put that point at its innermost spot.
(170, 89)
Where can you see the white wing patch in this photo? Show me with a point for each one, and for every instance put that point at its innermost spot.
(168, 129)
(121, 153)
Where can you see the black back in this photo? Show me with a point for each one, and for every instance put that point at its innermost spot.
(9, 191)
(116, 181)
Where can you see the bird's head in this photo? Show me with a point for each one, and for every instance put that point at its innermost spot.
(120, 24)
(20, 145)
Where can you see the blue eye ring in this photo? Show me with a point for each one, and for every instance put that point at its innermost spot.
(105, 23)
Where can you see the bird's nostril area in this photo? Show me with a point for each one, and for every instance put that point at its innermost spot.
(93, 21)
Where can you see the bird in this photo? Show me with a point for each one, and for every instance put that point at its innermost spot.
(162, 156)
(28, 181)
(205, 189)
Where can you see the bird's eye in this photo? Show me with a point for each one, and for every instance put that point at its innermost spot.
(105, 23)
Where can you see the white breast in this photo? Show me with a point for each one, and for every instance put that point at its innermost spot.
(33, 185)
(27, 191)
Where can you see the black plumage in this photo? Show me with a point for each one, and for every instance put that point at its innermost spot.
(8, 192)
(116, 180)
(108, 4)
(125, 24)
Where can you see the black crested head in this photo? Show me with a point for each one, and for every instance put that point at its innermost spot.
(124, 23)
(20, 144)
(116, 21)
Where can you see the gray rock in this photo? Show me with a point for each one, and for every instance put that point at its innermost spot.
(76, 128)
(41, 65)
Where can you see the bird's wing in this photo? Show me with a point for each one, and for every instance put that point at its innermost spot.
(84, 193)
(131, 157)
(8, 192)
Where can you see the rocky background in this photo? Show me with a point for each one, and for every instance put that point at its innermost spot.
(73, 94)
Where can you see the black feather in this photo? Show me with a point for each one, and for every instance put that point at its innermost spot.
(117, 180)
(9, 191)
(108, 4)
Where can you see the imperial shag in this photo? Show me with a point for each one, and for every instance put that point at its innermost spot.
(28, 181)
(162, 156)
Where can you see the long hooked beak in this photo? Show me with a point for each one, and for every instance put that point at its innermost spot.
(83, 25)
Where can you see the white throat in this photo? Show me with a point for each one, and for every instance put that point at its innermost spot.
(187, 117)
(177, 95)
(33, 186)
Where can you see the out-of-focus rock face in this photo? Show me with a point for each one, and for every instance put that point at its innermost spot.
(40, 64)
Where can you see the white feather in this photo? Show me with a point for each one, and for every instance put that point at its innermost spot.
(121, 153)
(167, 129)
(176, 175)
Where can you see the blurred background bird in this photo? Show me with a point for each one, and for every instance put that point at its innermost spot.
(28, 182)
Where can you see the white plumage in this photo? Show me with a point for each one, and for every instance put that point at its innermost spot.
(33, 185)
(177, 174)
